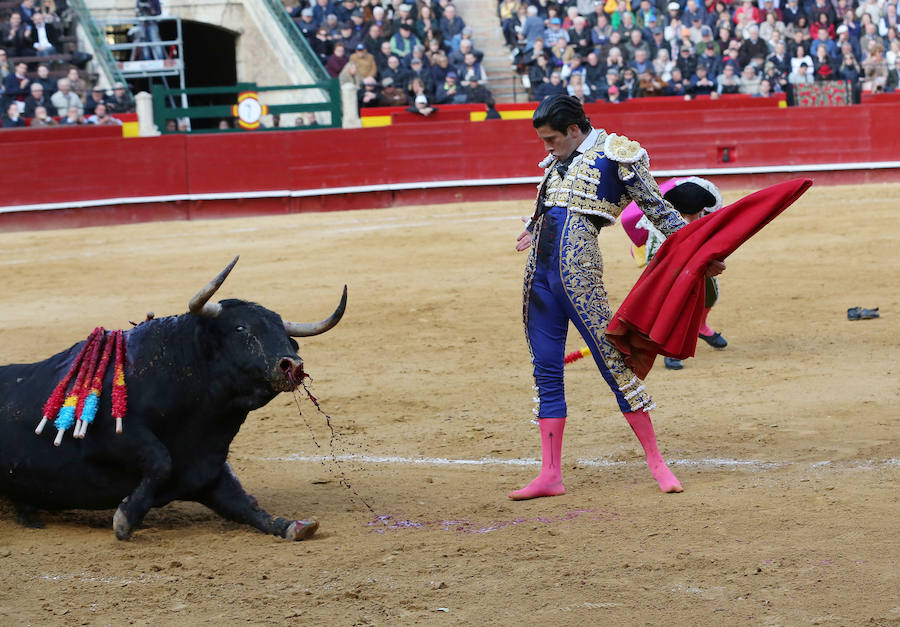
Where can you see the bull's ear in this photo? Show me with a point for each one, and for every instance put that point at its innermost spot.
(206, 339)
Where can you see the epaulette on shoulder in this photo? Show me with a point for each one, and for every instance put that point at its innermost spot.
(620, 148)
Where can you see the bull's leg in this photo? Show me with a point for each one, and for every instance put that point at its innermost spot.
(156, 466)
(228, 498)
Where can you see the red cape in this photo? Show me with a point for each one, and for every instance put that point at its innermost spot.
(662, 312)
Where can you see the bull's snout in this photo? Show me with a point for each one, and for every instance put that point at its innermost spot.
(290, 370)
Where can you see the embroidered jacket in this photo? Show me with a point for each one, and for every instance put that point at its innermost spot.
(611, 172)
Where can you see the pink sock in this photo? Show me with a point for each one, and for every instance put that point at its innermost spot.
(705, 329)
(643, 429)
(549, 481)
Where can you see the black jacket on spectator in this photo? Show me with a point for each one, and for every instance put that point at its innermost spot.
(12, 90)
(8, 123)
(20, 43)
(790, 16)
(782, 64)
(687, 65)
(750, 49)
(90, 103)
(548, 89)
(31, 104)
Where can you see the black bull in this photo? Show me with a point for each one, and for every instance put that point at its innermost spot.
(191, 380)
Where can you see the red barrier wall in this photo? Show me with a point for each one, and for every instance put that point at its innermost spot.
(689, 135)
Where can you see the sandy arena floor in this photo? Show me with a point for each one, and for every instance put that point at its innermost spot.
(786, 441)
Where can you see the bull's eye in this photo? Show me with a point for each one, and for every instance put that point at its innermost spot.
(240, 328)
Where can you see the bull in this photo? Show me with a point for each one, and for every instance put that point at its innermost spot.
(192, 379)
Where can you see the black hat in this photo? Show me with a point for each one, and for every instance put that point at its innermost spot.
(693, 196)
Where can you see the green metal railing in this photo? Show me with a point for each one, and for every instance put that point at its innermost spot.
(97, 38)
(297, 40)
(162, 111)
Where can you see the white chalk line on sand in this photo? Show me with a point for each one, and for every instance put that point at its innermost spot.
(750, 464)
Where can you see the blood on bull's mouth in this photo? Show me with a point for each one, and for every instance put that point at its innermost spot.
(292, 369)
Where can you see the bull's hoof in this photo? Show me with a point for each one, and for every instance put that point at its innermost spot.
(301, 529)
(121, 525)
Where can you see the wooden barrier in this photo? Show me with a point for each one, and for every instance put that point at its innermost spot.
(282, 171)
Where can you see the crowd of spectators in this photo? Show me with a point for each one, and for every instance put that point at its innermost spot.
(418, 54)
(30, 90)
(614, 50)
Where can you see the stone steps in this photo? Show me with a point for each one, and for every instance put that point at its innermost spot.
(481, 16)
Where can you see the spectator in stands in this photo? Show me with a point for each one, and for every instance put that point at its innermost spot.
(448, 91)
(780, 59)
(120, 101)
(17, 37)
(369, 93)
(870, 38)
(678, 85)
(889, 20)
(770, 26)
(13, 118)
(42, 118)
(321, 44)
(579, 89)
(73, 117)
(458, 56)
(601, 29)
(539, 73)
(728, 81)
(636, 42)
(38, 99)
(472, 67)
(97, 95)
(629, 86)
(792, 12)
(613, 95)
(752, 46)
(593, 71)
(415, 89)
(347, 37)
(561, 53)
(5, 69)
(27, 10)
(364, 61)
(392, 95)
(537, 49)
(475, 91)
(640, 62)
(395, 71)
(532, 29)
(777, 79)
(307, 24)
(555, 32)
(451, 24)
(337, 60)
(101, 116)
(403, 15)
(427, 26)
(46, 39)
(421, 106)
(464, 35)
(554, 87)
(802, 75)
(439, 69)
(76, 84)
(403, 41)
(663, 65)
(798, 31)
(321, 9)
(746, 8)
(800, 57)
(382, 55)
(765, 89)
(580, 36)
(651, 85)
(417, 70)
(43, 77)
(824, 67)
(875, 70)
(711, 60)
(17, 85)
(701, 83)
(574, 66)
(750, 80)
(826, 7)
(686, 62)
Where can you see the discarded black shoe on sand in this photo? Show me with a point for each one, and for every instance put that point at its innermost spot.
(860, 313)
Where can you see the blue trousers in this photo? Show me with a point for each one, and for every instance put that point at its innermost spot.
(564, 282)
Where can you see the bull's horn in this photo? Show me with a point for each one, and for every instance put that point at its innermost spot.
(199, 305)
(296, 329)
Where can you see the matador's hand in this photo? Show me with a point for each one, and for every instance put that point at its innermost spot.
(715, 267)
(524, 239)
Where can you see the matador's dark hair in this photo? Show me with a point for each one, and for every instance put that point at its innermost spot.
(559, 113)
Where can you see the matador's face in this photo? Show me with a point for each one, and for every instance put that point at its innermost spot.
(560, 145)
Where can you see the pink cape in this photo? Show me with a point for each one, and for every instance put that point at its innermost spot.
(662, 312)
